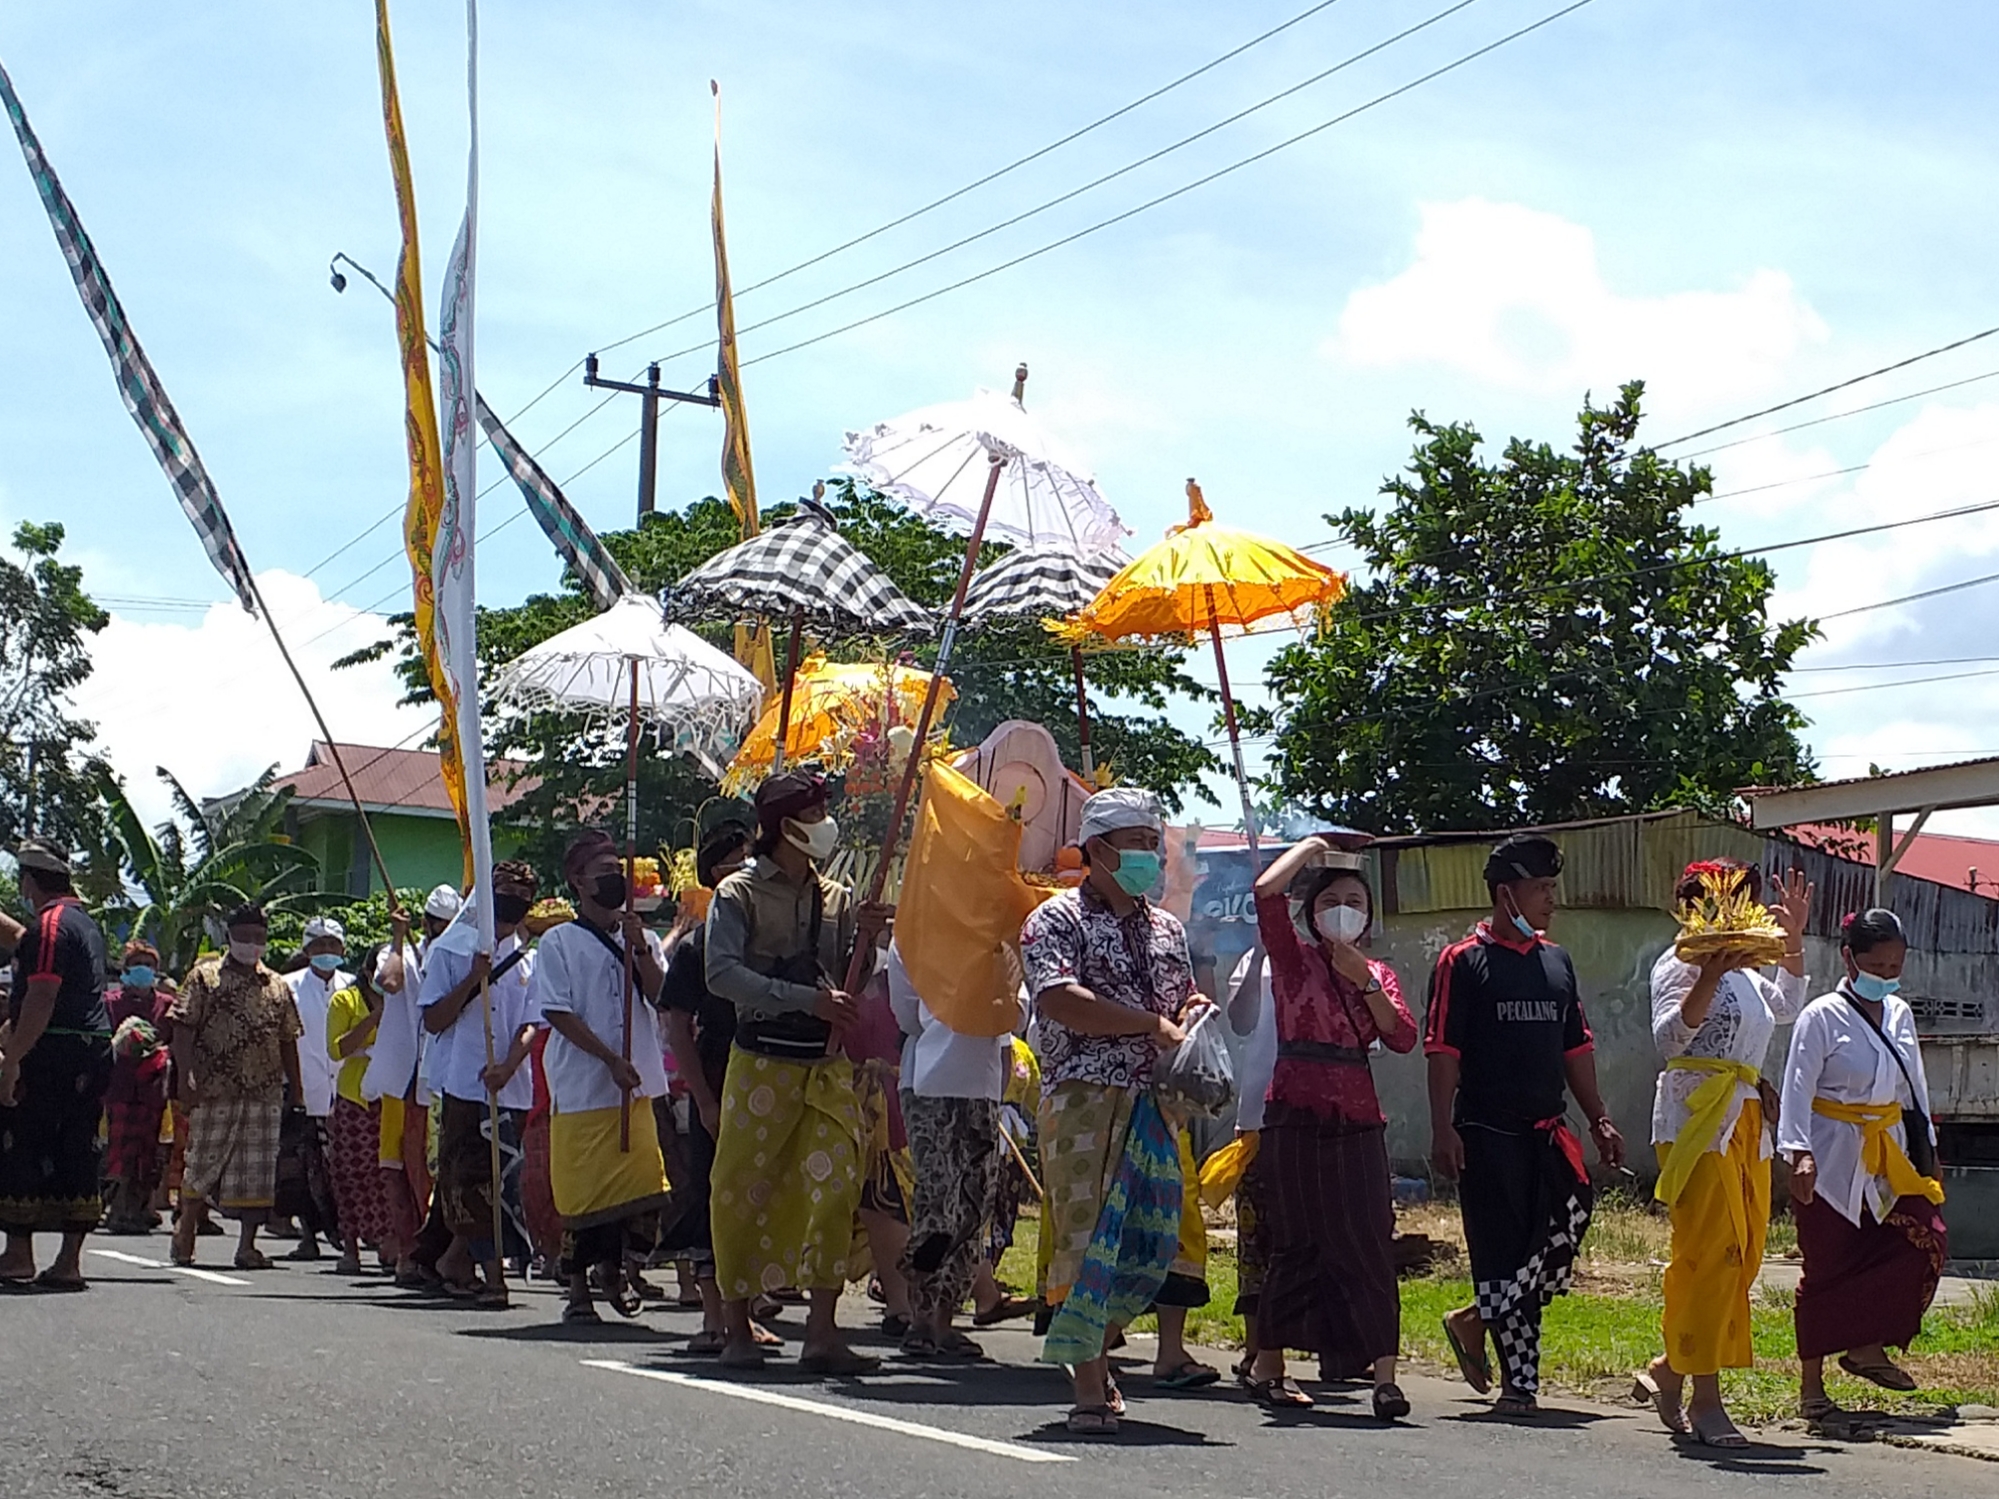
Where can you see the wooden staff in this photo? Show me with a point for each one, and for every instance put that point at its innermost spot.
(631, 879)
(493, 1121)
(995, 462)
(1025, 1169)
(790, 677)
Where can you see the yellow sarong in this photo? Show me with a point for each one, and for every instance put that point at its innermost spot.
(1720, 1212)
(1190, 1259)
(787, 1175)
(594, 1182)
(1881, 1154)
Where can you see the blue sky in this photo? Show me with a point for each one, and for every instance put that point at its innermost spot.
(1738, 203)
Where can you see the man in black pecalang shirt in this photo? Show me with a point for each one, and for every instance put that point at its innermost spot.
(1507, 1044)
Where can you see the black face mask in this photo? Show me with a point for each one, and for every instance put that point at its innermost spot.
(509, 909)
(609, 891)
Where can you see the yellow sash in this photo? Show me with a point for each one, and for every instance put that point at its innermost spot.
(1707, 1106)
(1880, 1153)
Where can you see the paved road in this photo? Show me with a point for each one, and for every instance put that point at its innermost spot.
(300, 1384)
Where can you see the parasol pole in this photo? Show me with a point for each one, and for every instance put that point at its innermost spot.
(631, 879)
(784, 703)
(493, 1126)
(1083, 715)
(949, 638)
(1235, 737)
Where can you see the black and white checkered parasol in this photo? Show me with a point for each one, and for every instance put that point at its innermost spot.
(1038, 583)
(804, 565)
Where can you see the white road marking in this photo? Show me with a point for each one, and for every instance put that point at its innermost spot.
(836, 1412)
(212, 1277)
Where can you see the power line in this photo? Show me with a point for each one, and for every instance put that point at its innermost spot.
(1077, 192)
(1900, 665)
(1900, 364)
(1167, 197)
(1911, 598)
(994, 176)
(1954, 676)
(1838, 416)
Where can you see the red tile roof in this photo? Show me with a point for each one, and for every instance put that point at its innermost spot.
(1947, 858)
(395, 780)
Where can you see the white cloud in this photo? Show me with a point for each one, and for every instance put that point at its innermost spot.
(1515, 298)
(213, 703)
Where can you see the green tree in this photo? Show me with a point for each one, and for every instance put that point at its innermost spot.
(207, 859)
(1006, 671)
(48, 774)
(1543, 638)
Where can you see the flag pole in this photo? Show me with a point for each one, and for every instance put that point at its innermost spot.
(493, 1123)
(995, 462)
(631, 879)
(332, 748)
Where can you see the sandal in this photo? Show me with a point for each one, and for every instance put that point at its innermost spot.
(1714, 1429)
(1190, 1375)
(842, 1363)
(752, 1362)
(580, 1311)
(1516, 1405)
(1005, 1310)
(1279, 1392)
(895, 1326)
(1092, 1421)
(707, 1344)
(48, 1280)
(919, 1345)
(1471, 1363)
(253, 1259)
(1886, 1374)
(1390, 1404)
(1646, 1390)
(763, 1337)
(491, 1299)
(955, 1344)
(626, 1300)
(1113, 1396)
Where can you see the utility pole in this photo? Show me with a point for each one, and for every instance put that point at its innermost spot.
(650, 394)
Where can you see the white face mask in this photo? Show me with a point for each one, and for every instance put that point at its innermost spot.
(817, 839)
(247, 953)
(1341, 923)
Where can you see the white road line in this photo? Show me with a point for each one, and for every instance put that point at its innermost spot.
(212, 1277)
(836, 1412)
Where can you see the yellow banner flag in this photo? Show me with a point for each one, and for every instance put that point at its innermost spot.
(426, 502)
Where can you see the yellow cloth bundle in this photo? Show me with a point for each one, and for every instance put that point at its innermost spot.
(1222, 1172)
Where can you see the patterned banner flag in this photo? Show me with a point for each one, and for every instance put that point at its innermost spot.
(144, 396)
(739, 479)
(577, 544)
(426, 502)
(451, 559)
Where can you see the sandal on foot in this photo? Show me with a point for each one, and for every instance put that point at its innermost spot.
(1113, 1396)
(955, 1344)
(254, 1259)
(1516, 1405)
(1714, 1429)
(1005, 1310)
(1279, 1392)
(707, 1344)
(919, 1345)
(1888, 1375)
(895, 1326)
(1472, 1364)
(1093, 1421)
(842, 1363)
(580, 1311)
(763, 1337)
(48, 1280)
(626, 1301)
(1390, 1404)
(753, 1362)
(1190, 1375)
(1646, 1390)
(492, 1299)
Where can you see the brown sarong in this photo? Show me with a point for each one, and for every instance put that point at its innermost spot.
(1326, 1230)
(1869, 1282)
(465, 1173)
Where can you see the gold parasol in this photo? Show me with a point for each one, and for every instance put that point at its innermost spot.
(839, 709)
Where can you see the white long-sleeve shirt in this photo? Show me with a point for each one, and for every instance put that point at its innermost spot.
(1259, 1046)
(1744, 1015)
(314, 997)
(1836, 1056)
(397, 1055)
(938, 1062)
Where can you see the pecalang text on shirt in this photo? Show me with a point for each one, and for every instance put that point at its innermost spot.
(1527, 1010)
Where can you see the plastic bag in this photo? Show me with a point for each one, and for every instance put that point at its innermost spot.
(1197, 1077)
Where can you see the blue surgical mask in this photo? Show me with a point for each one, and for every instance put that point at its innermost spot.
(1137, 870)
(325, 964)
(1867, 986)
(1520, 923)
(138, 976)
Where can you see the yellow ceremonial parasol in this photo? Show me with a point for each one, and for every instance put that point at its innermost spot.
(1208, 579)
(838, 708)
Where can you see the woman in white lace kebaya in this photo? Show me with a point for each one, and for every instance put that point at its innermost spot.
(1712, 1023)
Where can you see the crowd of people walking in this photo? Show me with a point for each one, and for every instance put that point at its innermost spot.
(776, 1136)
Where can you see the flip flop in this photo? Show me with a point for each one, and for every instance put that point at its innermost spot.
(1473, 1366)
(48, 1280)
(763, 1337)
(1646, 1390)
(580, 1312)
(1280, 1392)
(256, 1259)
(706, 1345)
(1192, 1375)
(1516, 1405)
(845, 1364)
(955, 1344)
(1008, 1308)
(1889, 1376)
(1390, 1404)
